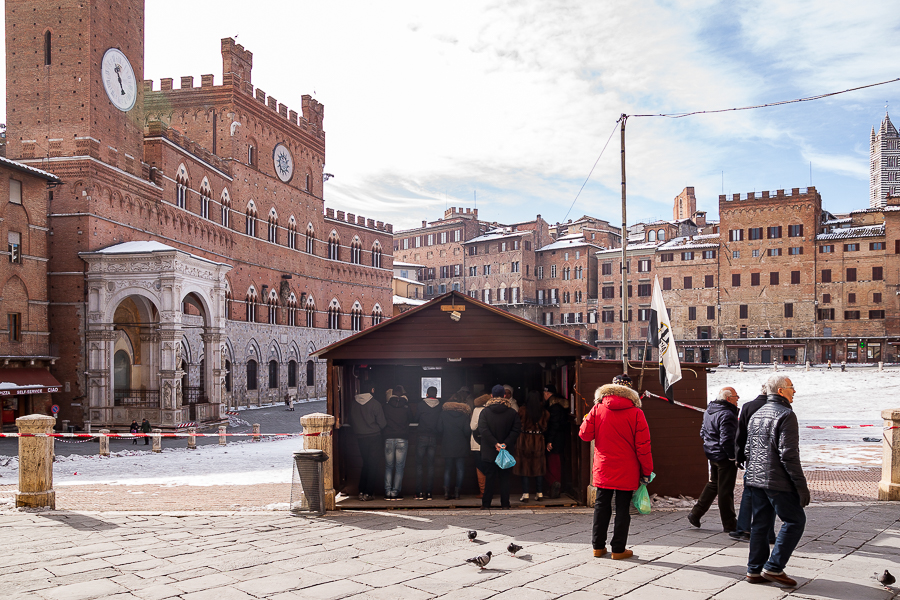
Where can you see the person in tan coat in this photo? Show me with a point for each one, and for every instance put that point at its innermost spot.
(530, 448)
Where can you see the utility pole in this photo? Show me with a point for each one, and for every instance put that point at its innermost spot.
(623, 269)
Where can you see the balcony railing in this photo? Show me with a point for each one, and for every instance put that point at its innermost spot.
(137, 398)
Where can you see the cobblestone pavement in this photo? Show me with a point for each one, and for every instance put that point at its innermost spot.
(59, 555)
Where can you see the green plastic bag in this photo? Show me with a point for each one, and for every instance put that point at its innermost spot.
(641, 498)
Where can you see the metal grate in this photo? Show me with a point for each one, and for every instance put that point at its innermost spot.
(308, 485)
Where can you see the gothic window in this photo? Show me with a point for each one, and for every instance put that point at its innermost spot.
(273, 374)
(181, 187)
(272, 308)
(334, 246)
(226, 208)
(376, 255)
(252, 301)
(252, 216)
(356, 316)
(205, 195)
(292, 374)
(273, 226)
(292, 310)
(292, 234)
(378, 316)
(355, 251)
(334, 315)
(661, 235)
(310, 239)
(310, 373)
(251, 374)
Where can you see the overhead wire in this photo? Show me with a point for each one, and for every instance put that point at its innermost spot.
(592, 170)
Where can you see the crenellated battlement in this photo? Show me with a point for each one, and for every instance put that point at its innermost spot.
(358, 220)
(766, 195)
(159, 129)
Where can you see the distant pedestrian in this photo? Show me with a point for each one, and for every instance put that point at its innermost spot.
(455, 435)
(557, 437)
(742, 532)
(397, 415)
(289, 401)
(499, 428)
(719, 430)
(622, 459)
(531, 446)
(367, 421)
(135, 428)
(428, 430)
(475, 444)
(145, 429)
(777, 483)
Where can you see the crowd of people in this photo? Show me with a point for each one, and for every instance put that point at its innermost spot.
(534, 433)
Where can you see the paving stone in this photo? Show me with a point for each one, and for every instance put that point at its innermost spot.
(743, 590)
(653, 592)
(78, 567)
(695, 580)
(86, 590)
(392, 592)
(205, 582)
(524, 594)
(220, 593)
(272, 584)
(335, 589)
(828, 588)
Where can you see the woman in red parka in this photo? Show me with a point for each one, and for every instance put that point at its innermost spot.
(622, 459)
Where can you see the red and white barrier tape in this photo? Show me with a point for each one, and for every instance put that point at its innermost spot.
(675, 402)
(165, 435)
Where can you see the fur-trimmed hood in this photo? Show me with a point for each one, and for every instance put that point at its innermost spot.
(613, 389)
(482, 400)
(554, 399)
(458, 406)
(495, 401)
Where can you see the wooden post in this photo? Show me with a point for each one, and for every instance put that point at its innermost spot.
(36, 463)
(889, 486)
(624, 268)
(321, 424)
(192, 439)
(256, 432)
(221, 435)
(157, 440)
(104, 442)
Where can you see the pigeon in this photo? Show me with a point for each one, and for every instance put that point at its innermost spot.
(513, 548)
(472, 535)
(481, 560)
(884, 579)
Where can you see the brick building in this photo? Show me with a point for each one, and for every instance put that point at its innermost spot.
(192, 263)
(596, 231)
(567, 285)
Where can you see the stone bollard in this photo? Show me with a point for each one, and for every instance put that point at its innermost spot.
(889, 486)
(322, 424)
(87, 426)
(157, 440)
(104, 442)
(36, 463)
(192, 439)
(807, 365)
(880, 366)
(256, 432)
(843, 366)
(741, 367)
(775, 364)
(222, 435)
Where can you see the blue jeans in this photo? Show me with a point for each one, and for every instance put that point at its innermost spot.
(746, 511)
(425, 446)
(767, 504)
(540, 484)
(449, 462)
(394, 462)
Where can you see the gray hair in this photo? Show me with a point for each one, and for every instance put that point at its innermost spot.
(775, 381)
(724, 394)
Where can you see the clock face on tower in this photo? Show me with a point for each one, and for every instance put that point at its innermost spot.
(283, 162)
(118, 79)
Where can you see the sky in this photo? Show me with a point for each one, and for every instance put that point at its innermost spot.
(508, 104)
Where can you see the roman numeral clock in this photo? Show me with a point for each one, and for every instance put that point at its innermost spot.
(118, 79)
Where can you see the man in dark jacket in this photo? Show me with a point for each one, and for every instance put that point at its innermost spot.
(499, 427)
(720, 423)
(367, 421)
(742, 533)
(427, 431)
(455, 433)
(397, 416)
(558, 432)
(776, 482)
(145, 428)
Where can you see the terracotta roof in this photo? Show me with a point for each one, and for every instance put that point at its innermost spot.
(13, 164)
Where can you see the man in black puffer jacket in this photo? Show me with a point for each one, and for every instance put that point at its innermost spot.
(720, 422)
(776, 482)
(742, 533)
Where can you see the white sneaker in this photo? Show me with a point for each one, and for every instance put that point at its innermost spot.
(539, 497)
(524, 498)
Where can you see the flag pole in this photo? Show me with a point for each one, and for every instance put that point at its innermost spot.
(624, 267)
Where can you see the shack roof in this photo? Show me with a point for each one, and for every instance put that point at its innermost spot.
(427, 334)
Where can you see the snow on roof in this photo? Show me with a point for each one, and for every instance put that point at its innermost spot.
(853, 232)
(397, 263)
(409, 301)
(838, 221)
(691, 243)
(406, 280)
(569, 241)
(133, 247)
(642, 246)
(23, 167)
(497, 234)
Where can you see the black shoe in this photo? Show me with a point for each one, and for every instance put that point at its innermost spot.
(369, 497)
(446, 493)
(420, 496)
(554, 490)
(456, 494)
(693, 520)
(739, 536)
(397, 497)
(428, 496)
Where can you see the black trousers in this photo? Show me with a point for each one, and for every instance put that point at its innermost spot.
(371, 448)
(495, 477)
(722, 475)
(602, 515)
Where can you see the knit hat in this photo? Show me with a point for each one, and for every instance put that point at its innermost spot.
(497, 391)
(623, 380)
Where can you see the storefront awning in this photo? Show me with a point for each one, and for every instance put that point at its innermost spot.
(14, 382)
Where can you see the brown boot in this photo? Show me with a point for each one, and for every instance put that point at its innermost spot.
(481, 480)
(781, 578)
(622, 555)
(598, 552)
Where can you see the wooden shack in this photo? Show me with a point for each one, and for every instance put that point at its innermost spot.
(455, 341)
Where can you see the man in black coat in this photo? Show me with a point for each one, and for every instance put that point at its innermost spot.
(777, 485)
(498, 427)
(742, 532)
(720, 423)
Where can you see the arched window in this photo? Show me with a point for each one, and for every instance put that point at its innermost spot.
(229, 299)
(205, 196)
(377, 315)
(310, 312)
(272, 303)
(121, 371)
(292, 310)
(356, 317)
(661, 235)
(334, 246)
(292, 374)
(273, 226)
(292, 233)
(376, 255)
(48, 38)
(251, 155)
(226, 208)
(252, 301)
(181, 187)
(310, 239)
(227, 375)
(651, 236)
(251, 374)
(355, 251)
(309, 183)
(310, 373)
(273, 374)
(252, 215)
(334, 315)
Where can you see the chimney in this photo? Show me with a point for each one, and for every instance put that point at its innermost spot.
(424, 223)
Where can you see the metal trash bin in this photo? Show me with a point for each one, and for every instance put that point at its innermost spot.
(308, 485)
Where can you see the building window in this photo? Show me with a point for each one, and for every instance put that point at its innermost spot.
(876, 298)
(514, 267)
(710, 313)
(14, 247)
(310, 373)
(273, 374)
(688, 283)
(334, 247)
(376, 255)
(744, 311)
(788, 310)
(273, 310)
(607, 316)
(735, 280)
(251, 221)
(15, 191)
(643, 266)
(755, 253)
(735, 254)
(826, 298)
(310, 240)
(795, 230)
(755, 233)
(292, 374)
(487, 270)
(773, 233)
(227, 375)
(473, 271)
(608, 291)
(795, 250)
(14, 326)
(876, 246)
(539, 272)
(643, 314)
(251, 374)
(826, 314)
(876, 314)
(665, 257)
(795, 277)
(273, 228)
(334, 317)
(251, 306)
(826, 275)
(180, 195)
(552, 271)
(644, 290)
(310, 314)
(356, 319)
(743, 333)
(828, 249)
(851, 298)
(378, 316)
(667, 283)
(851, 247)
(774, 251)
(251, 155)
(606, 268)
(773, 278)
(709, 254)
(709, 281)
(736, 235)
(355, 252)
(204, 205)
(851, 315)
(877, 273)
(687, 256)
(692, 313)
(566, 273)
(292, 235)
(754, 279)
(851, 274)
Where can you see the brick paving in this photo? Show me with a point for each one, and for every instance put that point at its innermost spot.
(67, 555)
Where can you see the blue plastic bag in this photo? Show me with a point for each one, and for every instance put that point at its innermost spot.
(505, 460)
(641, 498)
